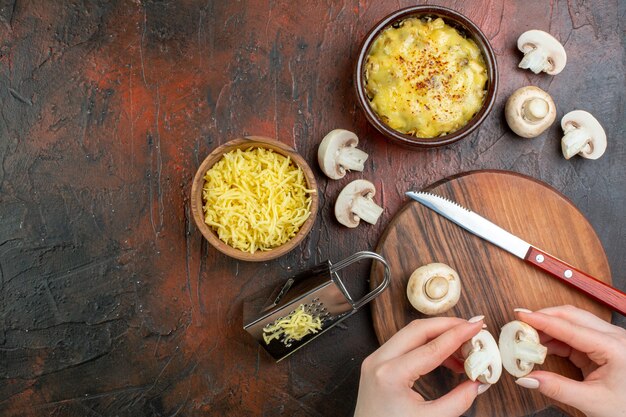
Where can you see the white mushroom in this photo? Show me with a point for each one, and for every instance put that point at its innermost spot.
(584, 135)
(482, 358)
(542, 52)
(355, 203)
(434, 288)
(337, 153)
(529, 111)
(520, 348)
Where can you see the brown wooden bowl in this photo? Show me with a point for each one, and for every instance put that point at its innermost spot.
(197, 203)
(464, 26)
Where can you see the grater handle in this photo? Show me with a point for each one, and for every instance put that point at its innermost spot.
(355, 258)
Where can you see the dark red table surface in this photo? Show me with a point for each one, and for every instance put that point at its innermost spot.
(112, 303)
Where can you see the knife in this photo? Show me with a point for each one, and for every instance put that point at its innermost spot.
(493, 233)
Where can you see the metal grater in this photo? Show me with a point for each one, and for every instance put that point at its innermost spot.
(322, 293)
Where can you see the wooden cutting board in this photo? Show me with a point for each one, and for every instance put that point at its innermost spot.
(494, 281)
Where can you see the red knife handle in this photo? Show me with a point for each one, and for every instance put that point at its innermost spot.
(593, 287)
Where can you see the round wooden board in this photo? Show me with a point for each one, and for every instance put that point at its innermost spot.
(494, 281)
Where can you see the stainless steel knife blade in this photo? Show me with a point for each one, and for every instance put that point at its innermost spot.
(473, 222)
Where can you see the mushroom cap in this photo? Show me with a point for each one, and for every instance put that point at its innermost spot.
(529, 111)
(346, 199)
(329, 148)
(434, 288)
(510, 335)
(533, 39)
(483, 342)
(580, 119)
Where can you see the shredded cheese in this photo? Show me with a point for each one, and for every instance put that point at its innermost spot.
(255, 199)
(292, 327)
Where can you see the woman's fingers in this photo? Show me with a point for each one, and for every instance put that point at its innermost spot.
(560, 388)
(579, 316)
(415, 334)
(590, 341)
(425, 358)
(456, 402)
(544, 338)
(454, 364)
(558, 348)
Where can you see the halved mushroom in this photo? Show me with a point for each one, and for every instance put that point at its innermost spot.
(482, 358)
(542, 52)
(584, 135)
(434, 288)
(337, 153)
(529, 111)
(355, 203)
(520, 348)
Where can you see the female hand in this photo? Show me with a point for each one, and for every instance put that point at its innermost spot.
(598, 348)
(388, 374)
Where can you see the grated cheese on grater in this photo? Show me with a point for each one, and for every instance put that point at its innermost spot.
(293, 327)
(255, 199)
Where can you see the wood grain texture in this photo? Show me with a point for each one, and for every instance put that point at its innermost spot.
(111, 300)
(494, 281)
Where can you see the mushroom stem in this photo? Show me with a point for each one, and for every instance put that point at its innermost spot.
(520, 348)
(434, 288)
(535, 109)
(337, 154)
(542, 52)
(477, 364)
(437, 287)
(351, 159)
(575, 141)
(482, 358)
(536, 61)
(529, 111)
(583, 135)
(366, 209)
(530, 352)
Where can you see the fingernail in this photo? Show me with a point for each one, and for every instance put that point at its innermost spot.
(522, 310)
(530, 383)
(484, 326)
(476, 319)
(483, 387)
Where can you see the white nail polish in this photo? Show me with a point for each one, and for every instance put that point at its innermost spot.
(476, 319)
(530, 383)
(483, 387)
(522, 310)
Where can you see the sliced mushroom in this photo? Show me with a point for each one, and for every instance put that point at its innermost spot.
(434, 288)
(584, 135)
(355, 203)
(542, 52)
(530, 111)
(337, 153)
(482, 358)
(520, 348)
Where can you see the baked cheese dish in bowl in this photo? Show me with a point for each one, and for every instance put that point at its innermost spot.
(426, 76)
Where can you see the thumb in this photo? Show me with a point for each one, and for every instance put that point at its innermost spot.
(456, 402)
(558, 387)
